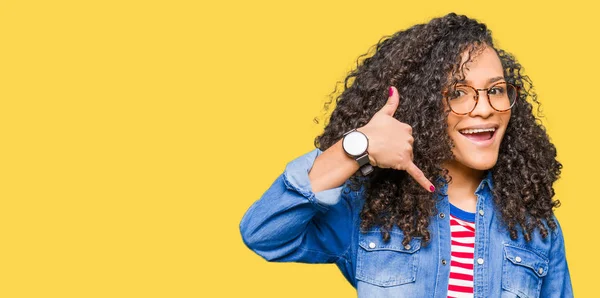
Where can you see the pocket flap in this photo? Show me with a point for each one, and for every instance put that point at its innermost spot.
(527, 258)
(372, 241)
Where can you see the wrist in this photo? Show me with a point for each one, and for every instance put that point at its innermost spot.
(372, 160)
(355, 144)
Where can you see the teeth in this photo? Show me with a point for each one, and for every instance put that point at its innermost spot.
(477, 130)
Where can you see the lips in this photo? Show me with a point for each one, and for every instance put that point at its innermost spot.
(479, 134)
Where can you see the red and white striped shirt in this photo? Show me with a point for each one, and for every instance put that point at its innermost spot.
(462, 228)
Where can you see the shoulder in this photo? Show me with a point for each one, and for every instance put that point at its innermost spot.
(557, 234)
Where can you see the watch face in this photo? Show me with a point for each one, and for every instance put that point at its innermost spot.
(355, 143)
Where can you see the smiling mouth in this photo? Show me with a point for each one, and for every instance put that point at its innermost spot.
(478, 134)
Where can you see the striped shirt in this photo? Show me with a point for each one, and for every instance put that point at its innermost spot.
(462, 229)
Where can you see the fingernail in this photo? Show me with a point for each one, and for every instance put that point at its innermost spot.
(391, 91)
(432, 188)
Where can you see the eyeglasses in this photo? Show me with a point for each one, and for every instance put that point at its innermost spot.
(462, 99)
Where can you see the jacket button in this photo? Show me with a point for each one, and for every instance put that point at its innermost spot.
(480, 261)
(442, 215)
(518, 259)
(372, 245)
(481, 212)
(407, 247)
(541, 270)
(444, 262)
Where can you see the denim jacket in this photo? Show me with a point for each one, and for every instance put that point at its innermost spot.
(290, 223)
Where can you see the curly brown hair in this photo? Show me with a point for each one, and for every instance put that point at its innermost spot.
(421, 62)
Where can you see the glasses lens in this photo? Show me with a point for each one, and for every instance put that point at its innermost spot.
(462, 99)
(502, 96)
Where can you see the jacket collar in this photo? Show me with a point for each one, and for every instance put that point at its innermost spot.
(486, 182)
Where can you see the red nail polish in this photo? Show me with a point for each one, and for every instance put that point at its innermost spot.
(432, 188)
(391, 91)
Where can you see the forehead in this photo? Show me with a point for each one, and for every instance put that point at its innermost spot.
(481, 66)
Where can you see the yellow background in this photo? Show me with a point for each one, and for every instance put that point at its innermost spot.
(135, 134)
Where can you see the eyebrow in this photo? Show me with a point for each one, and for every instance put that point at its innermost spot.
(492, 80)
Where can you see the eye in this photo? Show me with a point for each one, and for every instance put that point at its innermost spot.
(456, 93)
(497, 90)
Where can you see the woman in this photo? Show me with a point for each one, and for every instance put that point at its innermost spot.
(438, 186)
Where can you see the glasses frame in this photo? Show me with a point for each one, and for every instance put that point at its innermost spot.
(476, 97)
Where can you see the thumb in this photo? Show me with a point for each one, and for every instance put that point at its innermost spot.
(392, 103)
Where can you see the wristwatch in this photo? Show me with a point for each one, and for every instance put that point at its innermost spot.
(355, 144)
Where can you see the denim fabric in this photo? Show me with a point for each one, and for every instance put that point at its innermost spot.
(290, 223)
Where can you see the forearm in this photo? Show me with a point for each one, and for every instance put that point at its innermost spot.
(274, 225)
(332, 168)
(280, 227)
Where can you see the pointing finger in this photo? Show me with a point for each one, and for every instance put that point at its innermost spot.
(418, 175)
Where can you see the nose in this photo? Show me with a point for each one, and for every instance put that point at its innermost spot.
(482, 107)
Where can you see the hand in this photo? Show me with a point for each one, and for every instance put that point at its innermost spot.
(391, 141)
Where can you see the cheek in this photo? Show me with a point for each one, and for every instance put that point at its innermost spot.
(505, 120)
(452, 121)
(457, 143)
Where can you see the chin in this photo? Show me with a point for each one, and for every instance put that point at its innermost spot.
(483, 166)
(481, 163)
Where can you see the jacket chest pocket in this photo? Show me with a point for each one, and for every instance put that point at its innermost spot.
(389, 263)
(523, 270)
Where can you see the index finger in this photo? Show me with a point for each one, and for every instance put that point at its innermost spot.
(418, 175)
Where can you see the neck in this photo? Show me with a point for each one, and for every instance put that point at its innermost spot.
(461, 190)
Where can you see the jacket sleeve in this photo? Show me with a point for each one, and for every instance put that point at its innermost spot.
(291, 223)
(557, 283)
